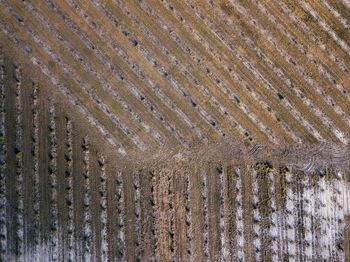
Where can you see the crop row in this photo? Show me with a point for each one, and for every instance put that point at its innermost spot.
(255, 71)
(69, 198)
(143, 50)
(62, 88)
(315, 61)
(307, 30)
(35, 164)
(280, 214)
(3, 166)
(207, 70)
(197, 64)
(222, 61)
(89, 68)
(69, 70)
(303, 73)
(119, 74)
(133, 65)
(121, 205)
(163, 72)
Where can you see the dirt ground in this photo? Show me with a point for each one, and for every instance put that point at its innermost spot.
(175, 130)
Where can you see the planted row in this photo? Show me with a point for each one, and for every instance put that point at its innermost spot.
(36, 223)
(3, 160)
(204, 208)
(255, 71)
(188, 217)
(121, 217)
(87, 219)
(121, 76)
(103, 208)
(303, 73)
(69, 175)
(62, 88)
(19, 163)
(52, 170)
(181, 89)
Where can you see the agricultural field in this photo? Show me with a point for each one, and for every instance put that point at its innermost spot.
(174, 130)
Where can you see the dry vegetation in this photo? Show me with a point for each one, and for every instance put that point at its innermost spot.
(174, 130)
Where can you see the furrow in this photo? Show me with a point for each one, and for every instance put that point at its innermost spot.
(126, 32)
(3, 162)
(307, 31)
(172, 223)
(183, 91)
(69, 198)
(308, 207)
(120, 206)
(87, 220)
(307, 8)
(299, 216)
(264, 207)
(62, 88)
(346, 3)
(194, 80)
(291, 218)
(120, 75)
(339, 217)
(85, 87)
(332, 220)
(188, 218)
(215, 79)
(208, 45)
(239, 219)
(61, 207)
(103, 208)
(89, 68)
(137, 212)
(228, 46)
(341, 8)
(147, 216)
(273, 220)
(307, 101)
(36, 224)
(117, 74)
(151, 60)
(231, 213)
(344, 22)
(19, 164)
(218, 82)
(226, 252)
(132, 63)
(94, 203)
(314, 60)
(247, 65)
(154, 216)
(327, 120)
(161, 225)
(52, 170)
(282, 222)
(300, 94)
(27, 161)
(316, 225)
(222, 226)
(9, 92)
(333, 24)
(325, 239)
(204, 208)
(256, 217)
